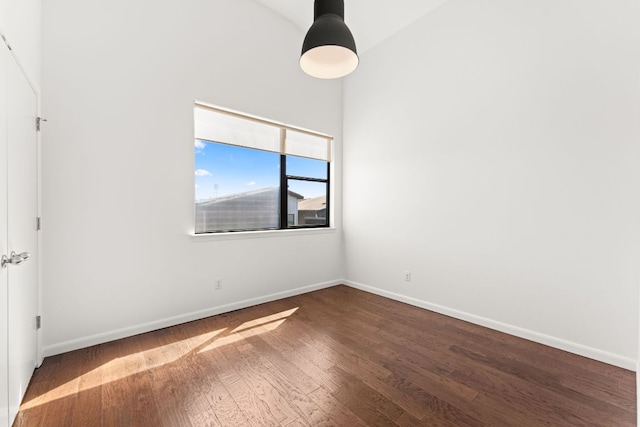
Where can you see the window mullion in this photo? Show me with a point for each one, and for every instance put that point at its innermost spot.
(284, 182)
(304, 178)
(328, 200)
(284, 193)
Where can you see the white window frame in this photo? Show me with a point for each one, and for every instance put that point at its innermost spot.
(291, 143)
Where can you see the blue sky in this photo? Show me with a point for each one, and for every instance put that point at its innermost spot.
(222, 170)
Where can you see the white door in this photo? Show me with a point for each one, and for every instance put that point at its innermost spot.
(22, 200)
(4, 397)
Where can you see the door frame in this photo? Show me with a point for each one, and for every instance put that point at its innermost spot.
(34, 88)
(10, 55)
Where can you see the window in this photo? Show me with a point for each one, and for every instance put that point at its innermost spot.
(254, 174)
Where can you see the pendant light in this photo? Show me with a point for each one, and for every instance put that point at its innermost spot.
(328, 51)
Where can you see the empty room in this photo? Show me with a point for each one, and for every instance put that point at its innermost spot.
(319, 213)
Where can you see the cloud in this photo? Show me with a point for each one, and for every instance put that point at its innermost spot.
(202, 172)
(200, 145)
(251, 183)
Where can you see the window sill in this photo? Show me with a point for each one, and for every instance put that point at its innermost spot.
(239, 235)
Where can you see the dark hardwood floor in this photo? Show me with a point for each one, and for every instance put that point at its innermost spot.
(335, 357)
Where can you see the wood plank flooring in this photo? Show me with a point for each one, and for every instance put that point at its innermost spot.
(334, 357)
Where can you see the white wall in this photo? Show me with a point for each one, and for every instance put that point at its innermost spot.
(492, 148)
(119, 82)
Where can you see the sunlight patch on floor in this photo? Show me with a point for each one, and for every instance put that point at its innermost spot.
(135, 363)
(253, 327)
(265, 319)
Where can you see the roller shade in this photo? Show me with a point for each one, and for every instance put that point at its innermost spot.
(216, 124)
(306, 145)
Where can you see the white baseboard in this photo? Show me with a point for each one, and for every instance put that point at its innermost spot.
(571, 347)
(582, 350)
(88, 341)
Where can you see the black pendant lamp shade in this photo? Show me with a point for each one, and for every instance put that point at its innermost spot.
(329, 51)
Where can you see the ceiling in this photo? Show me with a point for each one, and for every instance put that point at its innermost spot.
(370, 21)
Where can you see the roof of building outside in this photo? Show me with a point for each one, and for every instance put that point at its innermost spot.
(246, 194)
(314, 204)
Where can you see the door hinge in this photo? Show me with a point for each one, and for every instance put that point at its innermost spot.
(39, 121)
(38, 322)
(38, 223)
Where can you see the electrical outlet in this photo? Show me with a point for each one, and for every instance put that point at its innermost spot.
(407, 276)
(218, 284)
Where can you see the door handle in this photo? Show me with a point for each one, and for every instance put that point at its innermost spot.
(15, 259)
